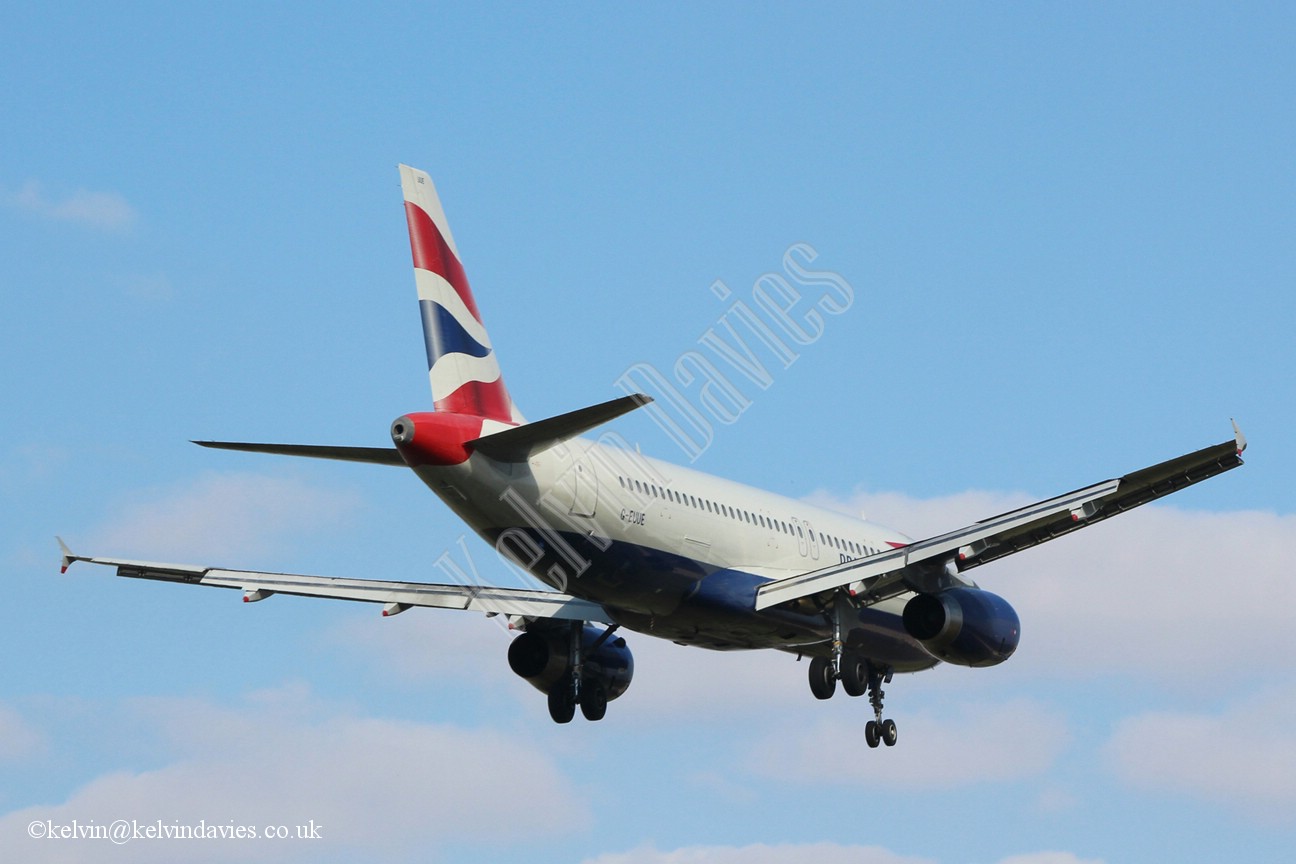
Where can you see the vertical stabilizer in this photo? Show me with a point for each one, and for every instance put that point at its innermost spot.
(464, 373)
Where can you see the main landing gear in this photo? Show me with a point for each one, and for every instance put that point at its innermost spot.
(857, 674)
(573, 688)
(565, 695)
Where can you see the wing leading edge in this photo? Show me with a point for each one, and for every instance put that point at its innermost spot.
(395, 596)
(920, 566)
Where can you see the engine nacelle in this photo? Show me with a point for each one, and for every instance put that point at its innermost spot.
(964, 626)
(543, 656)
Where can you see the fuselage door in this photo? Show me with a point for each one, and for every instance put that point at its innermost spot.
(585, 491)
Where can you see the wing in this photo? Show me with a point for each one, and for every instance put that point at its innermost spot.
(922, 566)
(395, 596)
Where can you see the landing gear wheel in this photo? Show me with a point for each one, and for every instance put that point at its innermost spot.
(854, 674)
(593, 701)
(822, 682)
(889, 733)
(562, 707)
(871, 733)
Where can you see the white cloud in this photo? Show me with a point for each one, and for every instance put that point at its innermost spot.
(1242, 756)
(759, 853)
(1140, 595)
(806, 853)
(922, 517)
(386, 789)
(961, 745)
(18, 740)
(1049, 858)
(218, 519)
(1155, 592)
(106, 211)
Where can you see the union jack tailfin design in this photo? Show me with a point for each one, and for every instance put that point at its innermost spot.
(464, 373)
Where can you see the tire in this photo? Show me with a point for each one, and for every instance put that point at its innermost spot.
(854, 674)
(593, 701)
(871, 734)
(562, 708)
(889, 733)
(822, 682)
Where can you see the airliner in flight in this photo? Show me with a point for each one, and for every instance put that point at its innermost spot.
(630, 543)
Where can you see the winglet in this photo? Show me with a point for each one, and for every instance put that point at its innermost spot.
(66, 561)
(1238, 437)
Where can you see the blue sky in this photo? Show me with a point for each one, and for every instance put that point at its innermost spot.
(1068, 231)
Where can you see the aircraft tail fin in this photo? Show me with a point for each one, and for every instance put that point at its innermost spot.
(464, 374)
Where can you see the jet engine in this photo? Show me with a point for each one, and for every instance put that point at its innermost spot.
(964, 626)
(542, 655)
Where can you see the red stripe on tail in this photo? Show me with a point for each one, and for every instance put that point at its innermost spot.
(431, 252)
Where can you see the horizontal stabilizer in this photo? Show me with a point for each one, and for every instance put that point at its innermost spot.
(522, 442)
(372, 455)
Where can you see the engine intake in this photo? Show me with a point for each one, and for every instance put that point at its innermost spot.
(964, 626)
(543, 656)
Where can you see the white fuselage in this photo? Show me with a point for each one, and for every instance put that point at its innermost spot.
(670, 550)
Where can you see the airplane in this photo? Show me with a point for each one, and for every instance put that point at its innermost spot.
(627, 542)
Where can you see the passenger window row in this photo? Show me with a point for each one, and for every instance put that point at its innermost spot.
(706, 505)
